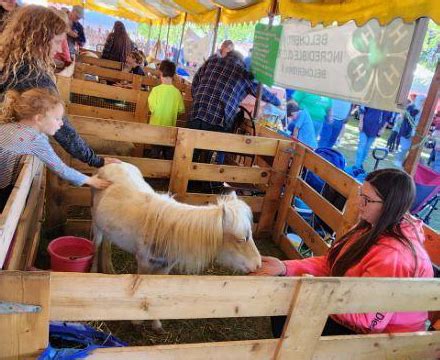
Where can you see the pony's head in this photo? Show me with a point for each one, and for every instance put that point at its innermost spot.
(238, 251)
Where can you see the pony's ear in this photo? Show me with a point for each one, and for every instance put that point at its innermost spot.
(233, 195)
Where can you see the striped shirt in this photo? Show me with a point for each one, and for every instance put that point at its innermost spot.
(16, 140)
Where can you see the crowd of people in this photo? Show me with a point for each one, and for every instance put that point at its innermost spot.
(386, 242)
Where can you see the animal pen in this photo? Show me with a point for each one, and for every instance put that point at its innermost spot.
(306, 301)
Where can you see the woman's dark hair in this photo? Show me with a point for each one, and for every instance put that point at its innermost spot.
(397, 191)
(118, 44)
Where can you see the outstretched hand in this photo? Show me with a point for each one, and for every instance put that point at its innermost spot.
(97, 183)
(270, 266)
(110, 160)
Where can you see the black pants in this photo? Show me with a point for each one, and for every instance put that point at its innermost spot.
(204, 156)
(331, 327)
(4, 196)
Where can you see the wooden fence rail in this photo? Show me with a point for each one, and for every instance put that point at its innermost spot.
(306, 301)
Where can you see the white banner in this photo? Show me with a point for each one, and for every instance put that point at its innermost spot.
(363, 65)
(196, 49)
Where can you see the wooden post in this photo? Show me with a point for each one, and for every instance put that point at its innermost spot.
(272, 13)
(158, 40)
(277, 179)
(289, 192)
(426, 118)
(217, 22)
(305, 321)
(168, 35)
(181, 167)
(24, 335)
(181, 38)
(149, 38)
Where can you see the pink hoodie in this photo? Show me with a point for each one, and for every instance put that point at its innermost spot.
(388, 258)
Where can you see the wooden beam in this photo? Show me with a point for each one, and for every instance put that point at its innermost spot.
(102, 91)
(215, 30)
(278, 177)
(183, 154)
(146, 297)
(290, 191)
(181, 37)
(337, 179)
(320, 206)
(310, 237)
(410, 346)
(226, 173)
(24, 335)
(16, 203)
(255, 202)
(288, 248)
(116, 65)
(125, 131)
(98, 112)
(422, 130)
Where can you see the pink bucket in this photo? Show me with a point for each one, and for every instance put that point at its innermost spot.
(71, 254)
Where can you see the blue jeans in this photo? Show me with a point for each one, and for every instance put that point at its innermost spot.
(365, 143)
(405, 145)
(436, 166)
(318, 126)
(329, 134)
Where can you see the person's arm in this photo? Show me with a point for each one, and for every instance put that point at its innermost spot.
(271, 266)
(81, 39)
(295, 133)
(267, 96)
(107, 46)
(152, 101)
(181, 104)
(75, 145)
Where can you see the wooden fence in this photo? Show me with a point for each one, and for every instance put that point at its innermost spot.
(307, 302)
(20, 220)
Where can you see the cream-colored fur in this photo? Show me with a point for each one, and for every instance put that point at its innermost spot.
(164, 233)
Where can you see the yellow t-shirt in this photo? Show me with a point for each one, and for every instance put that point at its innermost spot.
(165, 102)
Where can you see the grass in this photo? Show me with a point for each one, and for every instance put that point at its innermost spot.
(348, 147)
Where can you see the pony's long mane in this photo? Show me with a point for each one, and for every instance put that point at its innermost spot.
(186, 235)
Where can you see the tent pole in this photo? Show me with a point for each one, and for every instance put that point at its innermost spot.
(168, 35)
(273, 10)
(158, 40)
(149, 37)
(217, 22)
(181, 38)
(410, 164)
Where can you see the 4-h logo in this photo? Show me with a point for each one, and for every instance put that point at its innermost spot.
(380, 58)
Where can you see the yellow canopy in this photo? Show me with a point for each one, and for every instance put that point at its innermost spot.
(240, 11)
(361, 11)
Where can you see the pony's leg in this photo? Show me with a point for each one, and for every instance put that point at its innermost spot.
(97, 236)
(145, 267)
(106, 258)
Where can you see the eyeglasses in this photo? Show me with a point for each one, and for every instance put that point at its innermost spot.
(366, 200)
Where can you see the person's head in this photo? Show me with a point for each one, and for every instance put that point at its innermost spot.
(292, 111)
(32, 36)
(76, 13)
(135, 59)
(412, 97)
(41, 108)
(384, 198)
(120, 42)
(8, 5)
(167, 69)
(226, 47)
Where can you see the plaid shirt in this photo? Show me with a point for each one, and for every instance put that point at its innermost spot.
(219, 87)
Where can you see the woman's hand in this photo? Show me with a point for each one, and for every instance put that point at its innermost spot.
(270, 266)
(110, 160)
(97, 183)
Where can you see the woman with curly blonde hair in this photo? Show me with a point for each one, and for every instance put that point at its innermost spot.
(30, 39)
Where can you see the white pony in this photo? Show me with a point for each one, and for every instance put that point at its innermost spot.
(163, 233)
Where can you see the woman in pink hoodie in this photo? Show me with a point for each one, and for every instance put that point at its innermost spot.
(386, 242)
